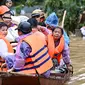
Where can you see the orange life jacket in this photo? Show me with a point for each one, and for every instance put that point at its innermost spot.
(38, 33)
(10, 49)
(39, 59)
(55, 52)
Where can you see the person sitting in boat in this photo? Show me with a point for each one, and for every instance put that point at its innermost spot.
(31, 55)
(52, 22)
(5, 16)
(5, 46)
(58, 48)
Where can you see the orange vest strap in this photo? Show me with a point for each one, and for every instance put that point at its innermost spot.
(53, 51)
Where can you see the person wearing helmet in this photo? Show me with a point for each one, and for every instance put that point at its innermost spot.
(5, 16)
(30, 56)
(39, 16)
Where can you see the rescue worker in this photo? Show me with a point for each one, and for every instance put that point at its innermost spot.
(39, 15)
(31, 54)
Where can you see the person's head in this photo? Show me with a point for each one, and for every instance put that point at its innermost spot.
(33, 22)
(5, 15)
(57, 32)
(38, 14)
(8, 3)
(51, 21)
(3, 29)
(24, 28)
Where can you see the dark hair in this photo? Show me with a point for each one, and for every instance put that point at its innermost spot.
(6, 1)
(59, 28)
(2, 24)
(33, 22)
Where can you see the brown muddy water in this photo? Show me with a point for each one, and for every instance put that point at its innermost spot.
(77, 54)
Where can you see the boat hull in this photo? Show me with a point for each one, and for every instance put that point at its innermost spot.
(18, 79)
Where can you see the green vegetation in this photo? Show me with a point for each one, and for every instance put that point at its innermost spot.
(73, 7)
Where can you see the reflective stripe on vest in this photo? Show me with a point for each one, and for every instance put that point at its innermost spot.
(39, 58)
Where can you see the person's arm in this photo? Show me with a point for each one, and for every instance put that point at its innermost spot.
(66, 55)
(24, 52)
(44, 30)
(13, 62)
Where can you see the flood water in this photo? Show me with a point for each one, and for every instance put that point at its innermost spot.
(77, 54)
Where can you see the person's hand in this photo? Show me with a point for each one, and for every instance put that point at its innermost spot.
(70, 67)
(3, 66)
(41, 28)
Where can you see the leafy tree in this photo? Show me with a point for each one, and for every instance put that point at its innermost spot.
(73, 7)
